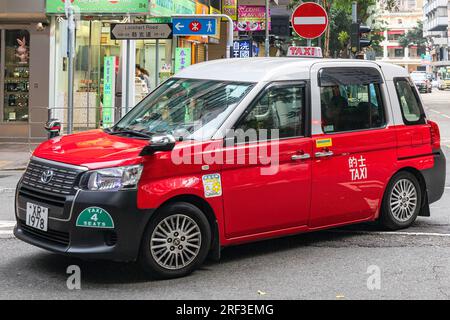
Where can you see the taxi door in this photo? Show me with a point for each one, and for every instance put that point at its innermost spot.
(354, 146)
(266, 177)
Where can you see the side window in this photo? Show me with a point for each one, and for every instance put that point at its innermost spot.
(351, 107)
(409, 102)
(279, 108)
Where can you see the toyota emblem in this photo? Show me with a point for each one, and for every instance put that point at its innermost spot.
(47, 176)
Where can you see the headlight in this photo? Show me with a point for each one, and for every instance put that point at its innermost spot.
(112, 179)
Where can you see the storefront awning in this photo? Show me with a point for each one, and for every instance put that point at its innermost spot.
(22, 17)
(395, 47)
(393, 32)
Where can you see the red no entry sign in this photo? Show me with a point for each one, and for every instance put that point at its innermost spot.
(309, 20)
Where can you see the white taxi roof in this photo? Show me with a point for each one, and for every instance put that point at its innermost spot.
(275, 69)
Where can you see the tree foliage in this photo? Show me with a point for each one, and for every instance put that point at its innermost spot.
(414, 37)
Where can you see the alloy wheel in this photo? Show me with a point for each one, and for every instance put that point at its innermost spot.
(403, 200)
(176, 242)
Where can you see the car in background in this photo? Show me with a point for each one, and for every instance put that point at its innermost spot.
(444, 83)
(422, 81)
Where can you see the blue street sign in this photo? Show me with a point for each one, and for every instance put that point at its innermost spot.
(193, 26)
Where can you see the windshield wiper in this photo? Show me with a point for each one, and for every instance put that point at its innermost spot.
(137, 133)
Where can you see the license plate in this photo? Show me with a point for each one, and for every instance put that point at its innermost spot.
(37, 216)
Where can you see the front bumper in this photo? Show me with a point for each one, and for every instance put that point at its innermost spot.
(120, 243)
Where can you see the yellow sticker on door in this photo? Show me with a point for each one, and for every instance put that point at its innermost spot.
(212, 185)
(324, 143)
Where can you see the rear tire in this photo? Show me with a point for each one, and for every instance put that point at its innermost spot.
(402, 202)
(176, 241)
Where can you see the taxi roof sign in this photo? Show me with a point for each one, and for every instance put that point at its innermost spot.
(305, 52)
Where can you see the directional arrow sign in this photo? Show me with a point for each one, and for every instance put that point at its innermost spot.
(137, 31)
(194, 26)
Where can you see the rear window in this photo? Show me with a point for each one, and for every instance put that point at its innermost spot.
(351, 99)
(409, 100)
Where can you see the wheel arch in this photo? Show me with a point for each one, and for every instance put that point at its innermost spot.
(425, 210)
(208, 211)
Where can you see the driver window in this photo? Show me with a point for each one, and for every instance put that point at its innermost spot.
(280, 108)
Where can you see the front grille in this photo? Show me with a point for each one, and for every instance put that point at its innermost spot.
(63, 181)
(36, 195)
(56, 237)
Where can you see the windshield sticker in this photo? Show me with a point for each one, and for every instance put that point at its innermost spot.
(95, 217)
(324, 143)
(357, 168)
(212, 185)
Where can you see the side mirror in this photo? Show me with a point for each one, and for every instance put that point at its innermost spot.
(53, 127)
(159, 143)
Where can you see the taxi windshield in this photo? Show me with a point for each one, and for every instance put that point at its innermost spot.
(188, 109)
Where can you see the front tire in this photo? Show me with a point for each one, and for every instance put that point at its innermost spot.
(402, 202)
(176, 241)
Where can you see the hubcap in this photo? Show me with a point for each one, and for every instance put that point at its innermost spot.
(403, 200)
(175, 242)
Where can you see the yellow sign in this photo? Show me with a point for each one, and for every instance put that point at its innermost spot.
(324, 143)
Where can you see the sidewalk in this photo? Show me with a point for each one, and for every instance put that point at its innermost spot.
(15, 156)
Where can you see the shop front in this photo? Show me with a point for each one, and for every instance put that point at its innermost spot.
(99, 63)
(24, 82)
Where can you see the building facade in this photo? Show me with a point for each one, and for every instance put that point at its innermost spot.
(398, 23)
(436, 29)
(25, 59)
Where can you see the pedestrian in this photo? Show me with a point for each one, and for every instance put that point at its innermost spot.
(144, 75)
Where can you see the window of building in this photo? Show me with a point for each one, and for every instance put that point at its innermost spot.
(15, 47)
(399, 53)
(412, 110)
(279, 108)
(352, 103)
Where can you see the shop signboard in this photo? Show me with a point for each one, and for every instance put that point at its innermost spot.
(230, 8)
(109, 88)
(99, 6)
(242, 49)
(182, 58)
(251, 18)
(166, 8)
(213, 10)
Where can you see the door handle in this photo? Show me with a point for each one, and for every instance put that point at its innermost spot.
(299, 157)
(324, 154)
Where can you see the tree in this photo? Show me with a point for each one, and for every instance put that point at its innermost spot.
(414, 37)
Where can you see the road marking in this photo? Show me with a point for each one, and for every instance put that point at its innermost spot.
(6, 229)
(7, 190)
(7, 224)
(440, 113)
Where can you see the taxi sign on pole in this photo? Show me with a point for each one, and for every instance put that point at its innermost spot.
(305, 52)
(309, 20)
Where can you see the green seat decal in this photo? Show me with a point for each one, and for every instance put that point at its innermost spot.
(95, 217)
